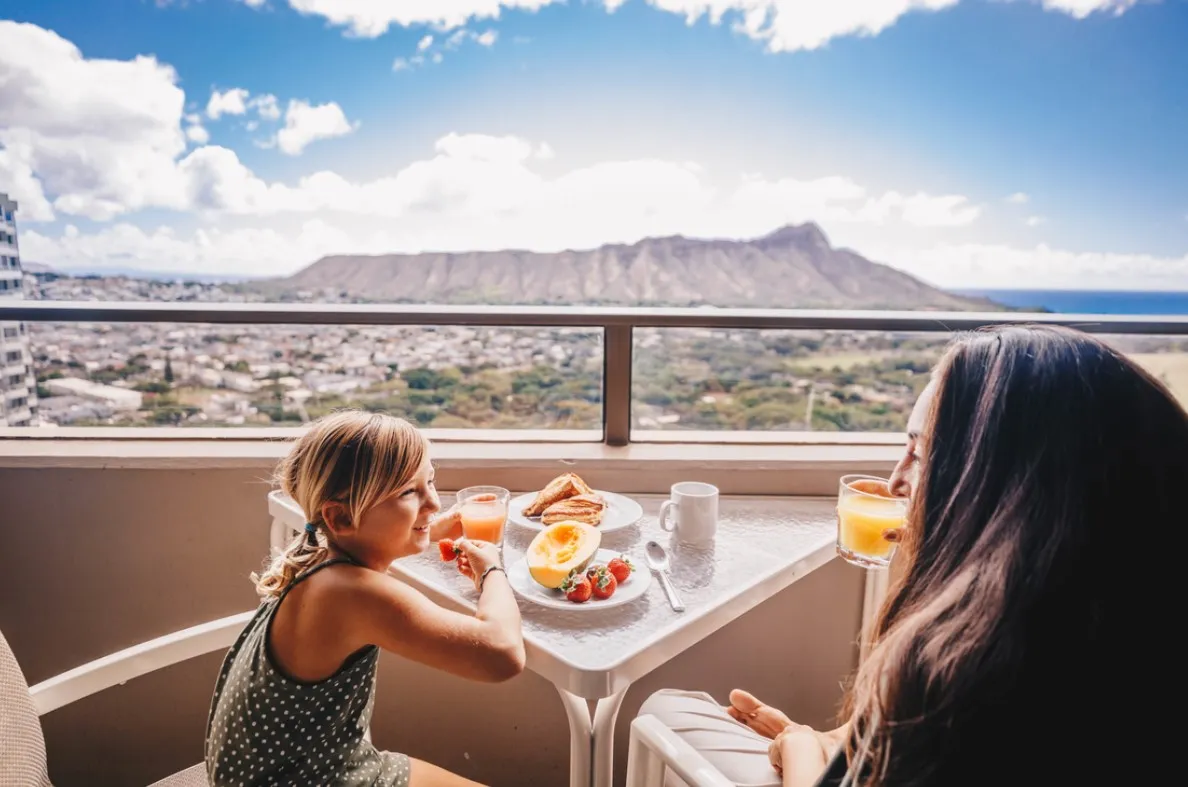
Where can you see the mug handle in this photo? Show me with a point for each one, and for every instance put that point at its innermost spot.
(666, 509)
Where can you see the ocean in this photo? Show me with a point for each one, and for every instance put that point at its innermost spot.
(1089, 301)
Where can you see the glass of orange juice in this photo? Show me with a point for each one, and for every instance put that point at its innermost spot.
(484, 512)
(869, 521)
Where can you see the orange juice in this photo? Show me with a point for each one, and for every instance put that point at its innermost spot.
(483, 520)
(862, 520)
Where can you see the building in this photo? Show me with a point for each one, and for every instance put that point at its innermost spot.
(119, 399)
(18, 387)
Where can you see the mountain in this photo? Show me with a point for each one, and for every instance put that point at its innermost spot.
(793, 267)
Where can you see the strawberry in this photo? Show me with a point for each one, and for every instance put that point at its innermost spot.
(448, 550)
(577, 588)
(620, 568)
(593, 570)
(604, 584)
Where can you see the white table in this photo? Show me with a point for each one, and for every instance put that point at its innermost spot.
(763, 546)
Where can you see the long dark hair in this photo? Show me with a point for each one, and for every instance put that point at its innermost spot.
(1054, 477)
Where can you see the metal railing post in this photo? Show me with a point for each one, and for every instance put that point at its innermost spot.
(617, 346)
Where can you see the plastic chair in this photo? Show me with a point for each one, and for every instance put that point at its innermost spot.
(22, 744)
(656, 751)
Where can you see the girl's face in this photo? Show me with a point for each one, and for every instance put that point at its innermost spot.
(397, 526)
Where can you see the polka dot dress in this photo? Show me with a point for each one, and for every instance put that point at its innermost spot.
(266, 728)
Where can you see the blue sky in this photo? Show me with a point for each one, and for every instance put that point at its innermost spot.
(995, 143)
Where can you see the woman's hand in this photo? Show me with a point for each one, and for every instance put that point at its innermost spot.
(799, 755)
(763, 719)
(477, 556)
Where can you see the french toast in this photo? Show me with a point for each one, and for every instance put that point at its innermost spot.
(587, 509)
(560, 488)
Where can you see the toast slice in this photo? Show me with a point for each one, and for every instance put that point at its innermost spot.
(560, 488)
(587, 509)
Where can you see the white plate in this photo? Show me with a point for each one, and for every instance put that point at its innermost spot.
(620, 512)
(527, 588)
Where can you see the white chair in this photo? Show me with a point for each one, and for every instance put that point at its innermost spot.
(22, 745)
(656, 750)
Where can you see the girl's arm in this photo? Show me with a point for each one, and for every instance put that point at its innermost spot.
(486, 647)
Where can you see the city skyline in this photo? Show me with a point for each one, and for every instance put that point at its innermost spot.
(1031, 144)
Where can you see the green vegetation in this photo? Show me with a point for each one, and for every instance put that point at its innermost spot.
(682, 379)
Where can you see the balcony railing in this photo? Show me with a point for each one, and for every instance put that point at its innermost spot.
(616, 323)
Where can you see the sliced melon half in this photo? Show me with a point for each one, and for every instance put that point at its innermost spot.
(561, 549)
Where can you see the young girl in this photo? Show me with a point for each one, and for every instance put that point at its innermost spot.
(294, 698)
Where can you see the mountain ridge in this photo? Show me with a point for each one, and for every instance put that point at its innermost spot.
(793, 267)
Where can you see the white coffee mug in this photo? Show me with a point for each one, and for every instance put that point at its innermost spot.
(691, 512)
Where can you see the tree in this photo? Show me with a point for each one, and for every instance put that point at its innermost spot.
(168, 371)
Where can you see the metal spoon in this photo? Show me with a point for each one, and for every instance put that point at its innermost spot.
(658, 561)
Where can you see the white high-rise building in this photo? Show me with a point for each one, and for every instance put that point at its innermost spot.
(18, 387)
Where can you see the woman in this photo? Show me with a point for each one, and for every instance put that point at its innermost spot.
(1045, 469)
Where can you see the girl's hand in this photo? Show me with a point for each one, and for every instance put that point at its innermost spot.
(478, 556)
(447, 524)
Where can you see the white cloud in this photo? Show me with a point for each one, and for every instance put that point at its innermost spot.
(1083, 8)
(1040, 267)
(424, 43)
(211, 250)
(237, 101)
(305, 123)
(457, 38)
(229, 102)
(1018, 198)
(1035, 221)
(483, 192)
(545, 151)
(760, 203)
(197, 134)
(480, 191)
(487, 37)
(437, 57)
(372, 18)
(401, 64)
(784, 25)
(792, 25)
(266, 106)
(16, 173)
(101, 136)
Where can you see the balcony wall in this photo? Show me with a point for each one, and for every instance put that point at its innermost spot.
(106, 548)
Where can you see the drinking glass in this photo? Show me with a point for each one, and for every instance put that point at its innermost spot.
(484, 513)
(870, 521)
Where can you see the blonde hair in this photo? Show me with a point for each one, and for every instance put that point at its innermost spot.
(351, 457)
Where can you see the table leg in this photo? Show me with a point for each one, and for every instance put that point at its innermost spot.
(603, 733)
(580, 739)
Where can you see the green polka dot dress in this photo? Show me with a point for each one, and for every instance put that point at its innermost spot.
(266, 728)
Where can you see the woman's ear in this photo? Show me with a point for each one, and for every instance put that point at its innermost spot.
(337, 517)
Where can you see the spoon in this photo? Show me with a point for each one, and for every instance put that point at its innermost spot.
(658, 561)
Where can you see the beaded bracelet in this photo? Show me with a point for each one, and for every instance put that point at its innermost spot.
(483, 578)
